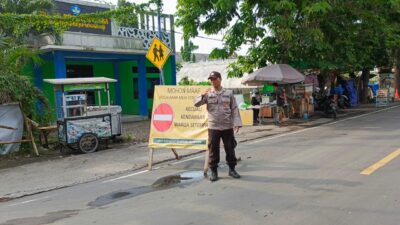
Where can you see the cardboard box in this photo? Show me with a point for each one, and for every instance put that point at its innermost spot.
(266, 112)
(310, 109)
(247, 117)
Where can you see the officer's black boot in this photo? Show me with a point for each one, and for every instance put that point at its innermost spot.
(233, 173)
(214, 174)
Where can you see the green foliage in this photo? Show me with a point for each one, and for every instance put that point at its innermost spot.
(178, 66)
(26, 6)
(219, 53)
(127, 19)
(34, 7)
(18, 88)
(325, 34)
(185, 81)
(20, 25)
(14, 86)
(19, 19)
(187, 49)
(130, 19)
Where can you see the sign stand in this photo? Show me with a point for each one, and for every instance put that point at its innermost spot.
(151, 156)
(176, 154)
(151, 153)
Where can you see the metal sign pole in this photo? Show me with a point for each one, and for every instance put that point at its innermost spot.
(162, 77)
(160, 37)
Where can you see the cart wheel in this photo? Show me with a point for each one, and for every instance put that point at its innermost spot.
(88, 143)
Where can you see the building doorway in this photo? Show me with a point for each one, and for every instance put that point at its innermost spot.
(82, 71)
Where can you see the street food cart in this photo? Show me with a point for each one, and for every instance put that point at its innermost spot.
(387, 85)
(81, 124)
(301, 100)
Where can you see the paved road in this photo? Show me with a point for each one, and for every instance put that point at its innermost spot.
(313, 176)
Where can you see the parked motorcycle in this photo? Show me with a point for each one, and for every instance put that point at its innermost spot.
(330, 107)
(343, 102)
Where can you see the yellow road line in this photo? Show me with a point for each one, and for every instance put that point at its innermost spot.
(381, 163)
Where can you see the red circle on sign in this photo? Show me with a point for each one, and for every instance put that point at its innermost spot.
(162, 117)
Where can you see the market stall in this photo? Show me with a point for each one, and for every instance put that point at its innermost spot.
(301, 100)
(80, 125)
(388, 85)
(246, 114)
(282, 74)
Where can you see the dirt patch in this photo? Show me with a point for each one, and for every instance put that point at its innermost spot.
(50, 217)
(259, 130)
(22, 158)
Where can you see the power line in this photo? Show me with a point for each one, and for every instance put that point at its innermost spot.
(214, 39)
(179, 32)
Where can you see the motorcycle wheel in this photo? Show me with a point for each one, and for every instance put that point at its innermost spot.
(334, 112)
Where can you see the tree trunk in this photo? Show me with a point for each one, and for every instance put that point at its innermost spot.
(364, 86)
(352, 75)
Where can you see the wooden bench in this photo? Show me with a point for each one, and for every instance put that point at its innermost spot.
(44, 133)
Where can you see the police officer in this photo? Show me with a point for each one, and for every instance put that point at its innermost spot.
(223, 119)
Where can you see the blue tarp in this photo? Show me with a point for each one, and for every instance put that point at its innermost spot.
(351, 89)
(374, 88)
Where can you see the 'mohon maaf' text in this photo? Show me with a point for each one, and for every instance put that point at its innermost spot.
(187, 90)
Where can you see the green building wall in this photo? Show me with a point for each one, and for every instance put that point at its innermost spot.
(129, 103)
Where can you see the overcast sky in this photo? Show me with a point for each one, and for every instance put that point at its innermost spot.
(206, 45)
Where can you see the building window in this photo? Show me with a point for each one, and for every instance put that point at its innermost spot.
(82, 71)
(151, 82)
(152, 69)
(78, 71)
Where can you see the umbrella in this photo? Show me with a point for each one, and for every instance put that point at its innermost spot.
(279, 73)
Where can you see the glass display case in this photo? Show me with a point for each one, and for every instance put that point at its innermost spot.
(75, 105)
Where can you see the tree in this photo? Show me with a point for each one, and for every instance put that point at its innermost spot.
(19, 26)
(392, 34)
(187, 49)
(332, 36)
(15, 7)
(14, 86)
(185, 81)
(357, 37)
(129, 19)
(26, 6)
(18, 18)
(277, 31)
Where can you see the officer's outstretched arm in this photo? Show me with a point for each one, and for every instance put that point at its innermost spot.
(200, 100)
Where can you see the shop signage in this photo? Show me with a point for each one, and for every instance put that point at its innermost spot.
(77, 87)
(104, 27)
(158, 53)
(175, 122)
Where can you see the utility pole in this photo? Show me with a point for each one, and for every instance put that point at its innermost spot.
(162, 81)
